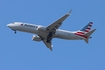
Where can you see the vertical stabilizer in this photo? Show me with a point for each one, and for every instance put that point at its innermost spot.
(87, 28)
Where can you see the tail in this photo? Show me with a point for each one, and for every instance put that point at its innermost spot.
(88, 35)
(87, 28)
(85, 32)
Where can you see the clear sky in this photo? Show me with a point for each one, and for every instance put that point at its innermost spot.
(19, 52)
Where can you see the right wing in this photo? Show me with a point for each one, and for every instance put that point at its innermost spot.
(48, 44)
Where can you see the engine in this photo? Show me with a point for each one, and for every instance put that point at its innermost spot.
(41, 28)
(36, 38)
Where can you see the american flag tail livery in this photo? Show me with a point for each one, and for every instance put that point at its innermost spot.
(87, 28)
(85, 32)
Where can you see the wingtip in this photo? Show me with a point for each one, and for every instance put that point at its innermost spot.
(70, 12)
(51, 47)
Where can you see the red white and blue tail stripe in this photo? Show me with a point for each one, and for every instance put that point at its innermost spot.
(87, 28)
(84, 30)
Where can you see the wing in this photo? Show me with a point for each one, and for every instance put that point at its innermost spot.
(48, 44)
(55, 25)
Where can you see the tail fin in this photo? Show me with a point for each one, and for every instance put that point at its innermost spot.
(88, 35)
(87, 28)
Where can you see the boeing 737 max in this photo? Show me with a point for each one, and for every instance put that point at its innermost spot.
(46, 34)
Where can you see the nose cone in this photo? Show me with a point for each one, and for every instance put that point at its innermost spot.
(8, 25)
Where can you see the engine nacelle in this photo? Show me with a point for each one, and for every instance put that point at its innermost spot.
(36, 38)
(41, 28)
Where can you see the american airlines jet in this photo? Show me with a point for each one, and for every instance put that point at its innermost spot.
(47, 33)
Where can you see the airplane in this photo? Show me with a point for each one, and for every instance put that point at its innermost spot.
(47, 33)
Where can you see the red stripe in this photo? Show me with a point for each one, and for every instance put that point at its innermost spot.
(81, 35)
(86, 30)
(80, 32)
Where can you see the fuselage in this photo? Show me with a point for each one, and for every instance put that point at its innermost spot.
(38, 29)
(47, 33)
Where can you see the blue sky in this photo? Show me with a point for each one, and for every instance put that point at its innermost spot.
(19, 52)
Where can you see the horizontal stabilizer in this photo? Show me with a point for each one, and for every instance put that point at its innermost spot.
(88, 35)
(86, 40)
